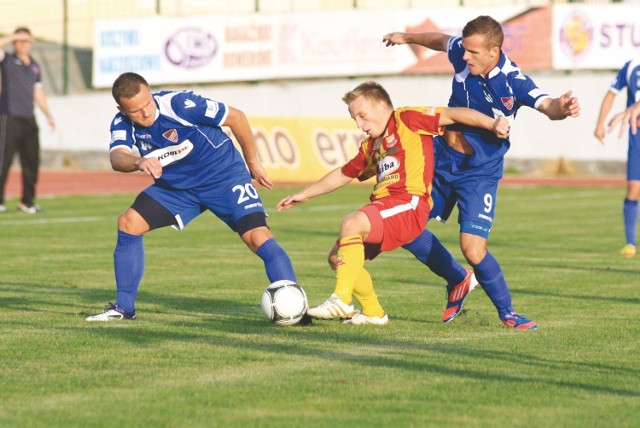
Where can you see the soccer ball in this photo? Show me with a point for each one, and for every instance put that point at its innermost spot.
(284, 302)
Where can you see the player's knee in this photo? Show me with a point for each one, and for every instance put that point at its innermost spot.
(633, 190)
(355, 223)
(473, 244)
(474, 249)
(254, 238)
(132, 223)
(474, 255)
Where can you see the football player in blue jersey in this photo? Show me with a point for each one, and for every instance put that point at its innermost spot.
(469, 162)
(195, 168)
(628, 76)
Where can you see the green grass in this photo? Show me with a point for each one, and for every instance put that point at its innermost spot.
(202, 354)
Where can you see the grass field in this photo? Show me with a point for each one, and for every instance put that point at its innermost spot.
(202, 354)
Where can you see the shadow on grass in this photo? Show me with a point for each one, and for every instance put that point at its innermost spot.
(244, 330)
(232, 325)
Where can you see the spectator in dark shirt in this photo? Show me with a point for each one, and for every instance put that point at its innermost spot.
(21, 86)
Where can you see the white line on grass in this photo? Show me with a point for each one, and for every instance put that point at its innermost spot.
(31, 221)
(560, 195)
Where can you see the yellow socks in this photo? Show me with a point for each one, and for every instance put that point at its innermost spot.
(350, 263)
(365, 294)
(352, 279)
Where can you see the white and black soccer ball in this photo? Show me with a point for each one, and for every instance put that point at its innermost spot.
(284, 302)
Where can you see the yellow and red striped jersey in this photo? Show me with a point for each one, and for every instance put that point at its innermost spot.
(402, 158)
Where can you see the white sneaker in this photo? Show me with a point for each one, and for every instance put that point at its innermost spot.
(112, 313)
(29, 209)
(3, 208)
(359, 318)
(332, 308)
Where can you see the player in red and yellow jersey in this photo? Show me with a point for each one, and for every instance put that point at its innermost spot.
(399, 152)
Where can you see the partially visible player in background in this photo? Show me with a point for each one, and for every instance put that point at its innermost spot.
(470, 162)
(196, 168)
(628, 117)
(399, 152)
(21, 86)
(628, 76)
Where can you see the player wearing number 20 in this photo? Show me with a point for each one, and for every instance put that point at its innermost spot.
(196, 168)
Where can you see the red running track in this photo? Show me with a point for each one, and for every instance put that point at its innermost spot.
(60, 183)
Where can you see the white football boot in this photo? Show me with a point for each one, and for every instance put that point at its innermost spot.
(359, 318)
(332, 308)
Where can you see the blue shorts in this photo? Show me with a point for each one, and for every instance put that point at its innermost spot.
(473, 189)
(633, 158)
(230, 199)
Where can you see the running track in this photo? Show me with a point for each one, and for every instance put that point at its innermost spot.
(60, 183)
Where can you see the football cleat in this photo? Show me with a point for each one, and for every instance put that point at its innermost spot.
(518, 321)
(359, 318)
(113, 313)
(628, 250)
(29, 209)
(332, 308)
(457, 294)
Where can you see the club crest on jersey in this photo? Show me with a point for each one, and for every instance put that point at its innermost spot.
(171, 135)
(390, 141)
(507, 102)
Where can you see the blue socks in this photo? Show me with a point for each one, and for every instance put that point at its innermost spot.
(630, 214)
(128, 261)
(276, 261)
(490, 276)
(430, 251)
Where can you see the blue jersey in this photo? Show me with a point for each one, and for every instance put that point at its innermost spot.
(501, 93)
(186, 138)
(629, 76)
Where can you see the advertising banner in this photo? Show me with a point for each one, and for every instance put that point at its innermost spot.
(297, 45)
(595, 36)
(302, 150)
(526, 36)
(242, 47)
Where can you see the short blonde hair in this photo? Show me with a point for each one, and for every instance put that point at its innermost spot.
(370, 90)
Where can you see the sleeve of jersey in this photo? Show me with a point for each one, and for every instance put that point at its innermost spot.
(527, 92)
(422, 120)
(121, 134)
(621, 78)
(198, 109)
(455, 52)
(360, 166)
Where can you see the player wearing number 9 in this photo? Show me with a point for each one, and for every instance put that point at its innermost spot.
(469, 162)
(195, 167)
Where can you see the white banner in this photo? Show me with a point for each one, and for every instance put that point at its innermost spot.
(264, 47)
(595, 36)
(242, 47)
